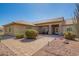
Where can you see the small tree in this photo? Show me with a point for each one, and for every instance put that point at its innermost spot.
(76, 19)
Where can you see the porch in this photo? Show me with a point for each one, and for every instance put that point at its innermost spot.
(52, 29)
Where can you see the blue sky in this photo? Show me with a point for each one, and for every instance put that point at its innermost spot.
(34, 12)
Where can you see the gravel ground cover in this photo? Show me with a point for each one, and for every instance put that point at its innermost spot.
(5, 51)
(59, 48)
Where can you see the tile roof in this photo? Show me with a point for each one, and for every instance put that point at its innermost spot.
(49, 20)
(24, 22)
(67, 22)
(21, 22)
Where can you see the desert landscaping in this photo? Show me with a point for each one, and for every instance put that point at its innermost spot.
(53, 46)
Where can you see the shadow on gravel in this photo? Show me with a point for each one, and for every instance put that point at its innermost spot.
(27, 40)
(4, 37)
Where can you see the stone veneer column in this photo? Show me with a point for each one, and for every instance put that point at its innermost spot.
(50, 29)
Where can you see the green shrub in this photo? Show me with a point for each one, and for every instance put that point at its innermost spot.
(19, 36)
(69, 35)
(31, 34)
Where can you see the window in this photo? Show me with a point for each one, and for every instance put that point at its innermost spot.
(10, 29)
(69, 29)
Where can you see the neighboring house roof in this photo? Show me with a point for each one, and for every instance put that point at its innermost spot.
(20, 22)
(50, 20)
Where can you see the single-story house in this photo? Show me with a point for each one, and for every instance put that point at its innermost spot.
(17, 27)
(56, 26)
(1, 30)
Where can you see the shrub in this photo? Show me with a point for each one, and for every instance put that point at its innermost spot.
(19, 36)
(31, 34)
(69, 35)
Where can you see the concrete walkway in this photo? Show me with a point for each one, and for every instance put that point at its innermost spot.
(28, 48)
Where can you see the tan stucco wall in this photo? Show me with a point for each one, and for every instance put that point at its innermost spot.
(19, 29)
(6, 30)
(1, 31)
(16, 29)
(69, 26)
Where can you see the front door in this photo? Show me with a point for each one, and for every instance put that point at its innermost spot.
(55, 30)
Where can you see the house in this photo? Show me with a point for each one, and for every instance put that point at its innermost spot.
(51, 26)
(69, 26)
(17, 27)
(56, 26)
(1, 30)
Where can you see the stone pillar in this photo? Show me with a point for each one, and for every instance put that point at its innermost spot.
(60, 29)
(50, 29)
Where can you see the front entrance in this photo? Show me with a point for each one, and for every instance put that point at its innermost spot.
(55, 29)
(45, 29)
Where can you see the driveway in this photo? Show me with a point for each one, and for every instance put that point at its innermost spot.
(27, 47)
